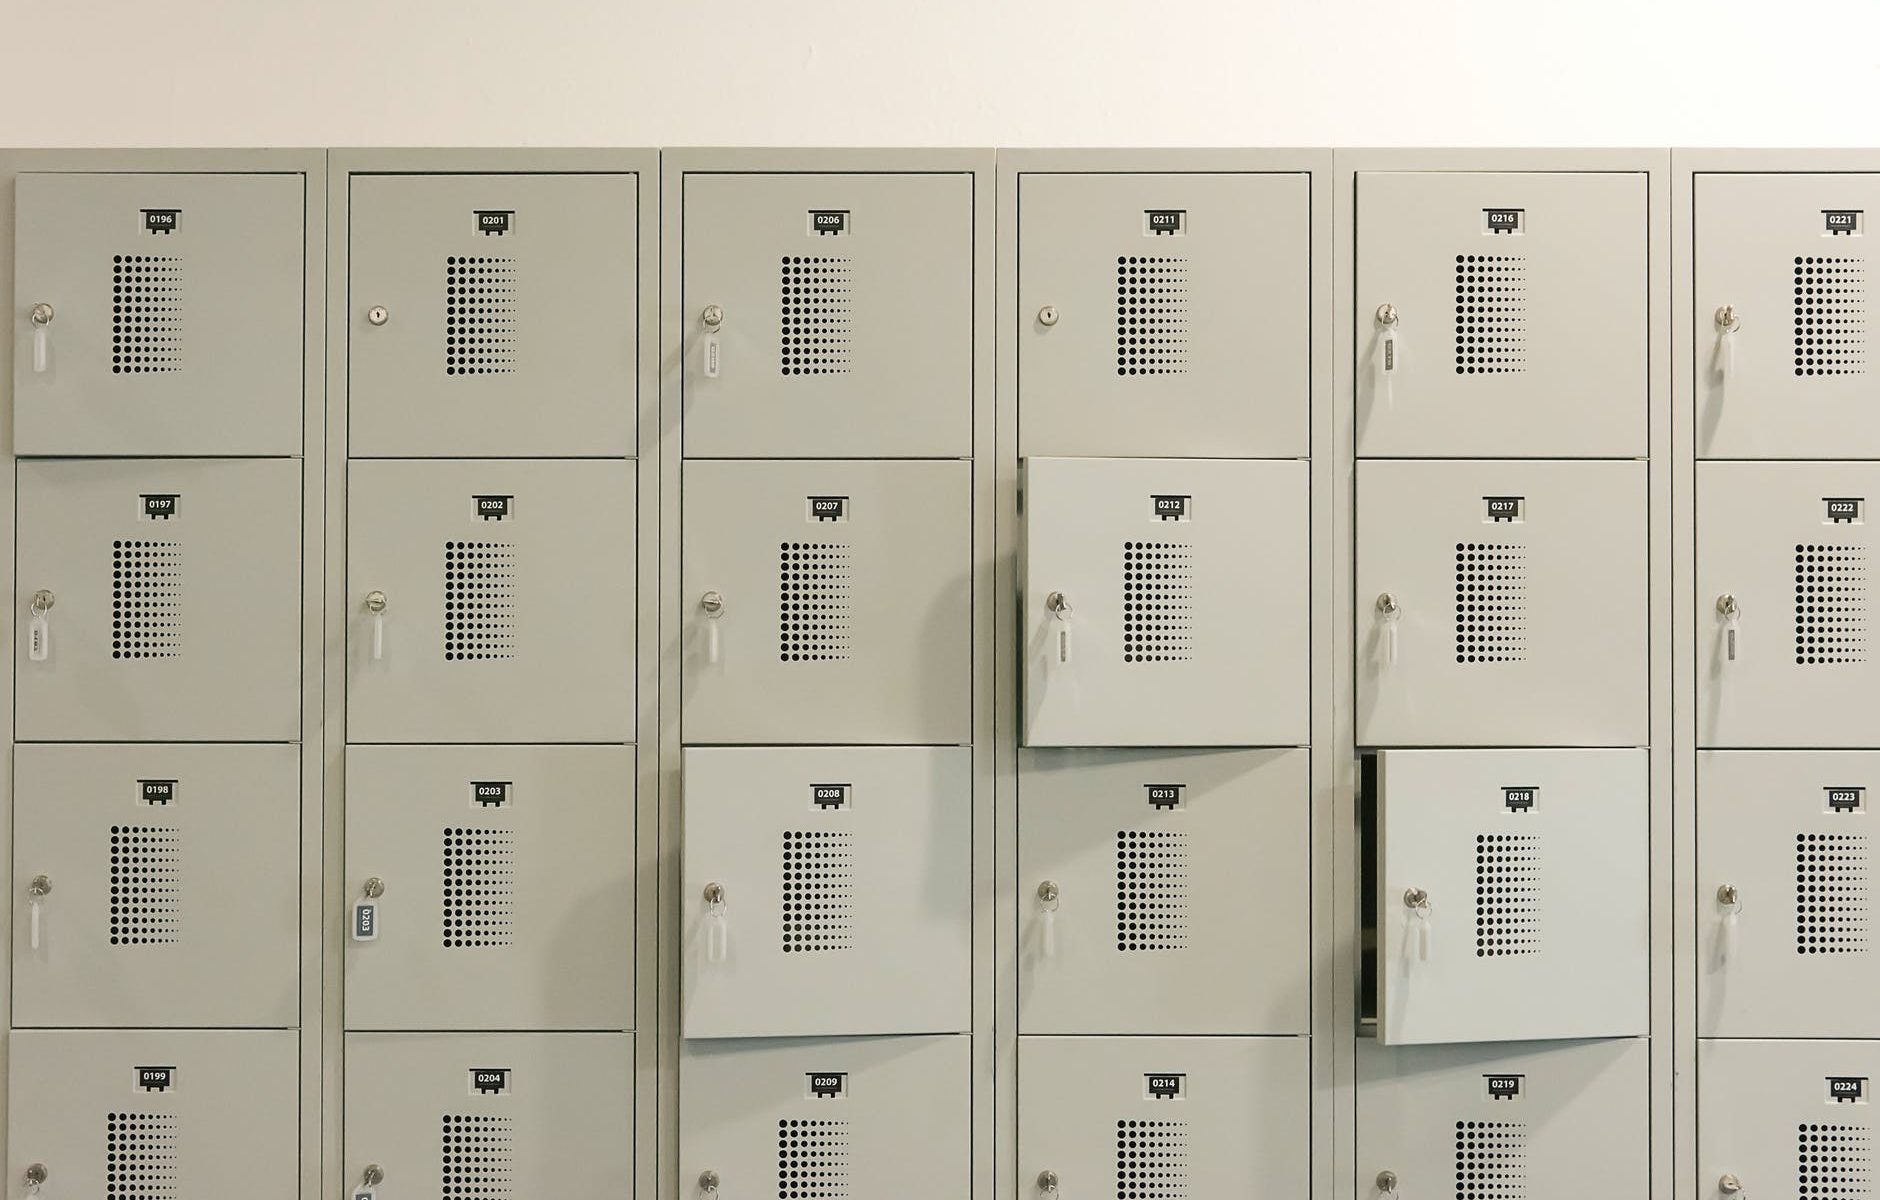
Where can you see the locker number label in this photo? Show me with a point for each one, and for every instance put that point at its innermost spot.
(157, 793)
(489, 1081)
(1165, 222)
(1504, 1087)
(1504, 510)
(156, 1079)
(1845, 510)
(1841, 222)
(829, 222)
(829, 509)
(491, 793)
(828, 1085)
(1846, 799)
(1172, 508)
(1519, 799)
(1504, 220)
(829, 797)
(161, 220)
(496, 508)
(495, 222)
(1847, 1089)
(1165, 1085)
(1164, 796)
(365, 921)
(160, 506)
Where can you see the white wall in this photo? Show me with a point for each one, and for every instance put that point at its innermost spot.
(943, 72)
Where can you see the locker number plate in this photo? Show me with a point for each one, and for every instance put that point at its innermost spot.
(156, 1079)
(157, 793)
(1841, 222)
(365, 921)
(1503, 1087)
(1164, 1085)
(827, 1085)
(1846, 799)
(1847, 1089)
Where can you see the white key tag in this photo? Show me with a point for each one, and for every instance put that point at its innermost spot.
(717, 928)
(714, 319)
(1416, 932)
(365, 912)
(1060, 607)
(39, 629)
(1732, 614)
(1048, 896)
(1732, 903)
(1390, 613)
(1389, 355)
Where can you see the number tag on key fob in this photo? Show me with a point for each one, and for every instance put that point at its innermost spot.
(365, 928)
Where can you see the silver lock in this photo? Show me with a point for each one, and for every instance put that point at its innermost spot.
(377, 314)
(1387, 604)
(41, 314)
(373, 1175)
(1726, 319)
(1048, 315)
(1387, 1182)
(42, 601)
(40, 886)
(1729, 1184)
(36, 1174)
(374, 888)
(1058, 602)
(375, 602)
(713, 603)
(1048, 892)
(1048, 1182)
(1416, 898)
(708, 1182)
(1387, 315)
(714, 893)
(1727, 606)
(713, 316)
(1728, 896)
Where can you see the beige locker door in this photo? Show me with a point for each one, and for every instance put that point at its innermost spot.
(176, 304)
(1522, 316)
(172, 877)
(1787, 1118)
(507, 887)
(154, 1114)
(847, 314)
(1164, 314)
(510, 315)
(1175, 887)
(176, 601)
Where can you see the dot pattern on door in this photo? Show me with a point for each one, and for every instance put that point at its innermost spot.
(1151, 890)
(1158, 602)
(140, 1157)
(478, 1154)
(1830, 316)
(818, 891)
(1507, 894)
(813, 589)
(479, 887)
(479, 315)
(1491, 603)
(1491, 1160)
(1151, 315)
(817, 315)
(1491, 314)
(1830, 605)
(1833, 1162)
(146, 314)
(813, 1160)
(146, 599)
(1831, 893)
(146, 884)
(1151, 1160)
(479, 601)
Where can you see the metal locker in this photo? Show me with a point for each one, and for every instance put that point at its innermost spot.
(158, 313)
(1783, 321)
(157, 885)
(1166, 602)
(1168, 1118)
(1502, 604)
(488, 1115)
(1164, 892)
(492, 315)
(828, 602)
(156, 1113)
(490, 601)
(1786, 894)
(828, 314)
(1513, 896)
(1486, 1122)
(1502, 314)
(1786, 604)
(1164, 314)
(1786, 1119)
(829, 891)
(489, 887)
(158, 600)
(826, 1119)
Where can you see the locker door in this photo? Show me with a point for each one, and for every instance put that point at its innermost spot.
(826, 1119)
(154, 1113)
(1514, 895)
(506, 887)
(171, 885)
(496, 1115)
(174, 592)
(1480, 1122)
(1183, 587)
(1786, 1119)
(1164, 314)
(1521, 319)
(1164, 892)
(828, 602)
(1502, 603)
(845, 315)
(493, 315)
(508, 601)
(174, 308)
(1787, 254)
(843, 879)
(1169, 1118)
(1786, 894)
(1791, 545)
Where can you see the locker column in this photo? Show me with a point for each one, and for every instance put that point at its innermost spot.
(827, 566)
(1159, 318)
(492, 321)
(1509, 714)
(166, 753)
(1781, 606)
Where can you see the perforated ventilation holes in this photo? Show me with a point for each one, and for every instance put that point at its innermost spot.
(1507, 894)
(1830, 605)
(146, 884)
(479, 601)
(1151, 1160)
(813, 586)
(479, 887)
(1151, 315)
(146, 314)
(479, 315)
(1151, 890)
(1831, 896)
(146, 599)
(817, 315)
(140, 1157)
(1158, 602)
(478, 1157)
(1830, 316)
(1491, 1160)
(1833, 1162)
(813, 1160)
(1491, 314)
(1491, 603)
(818, 890)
